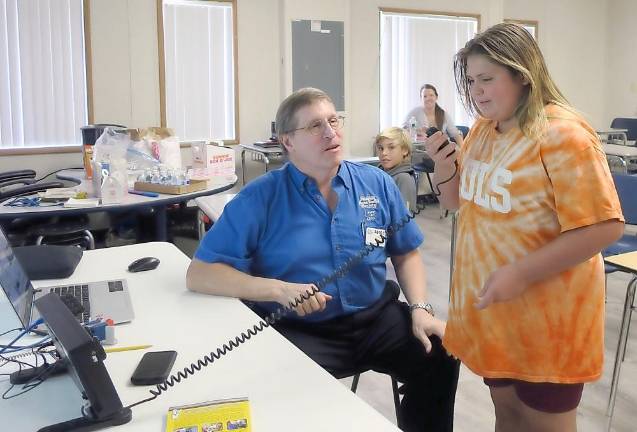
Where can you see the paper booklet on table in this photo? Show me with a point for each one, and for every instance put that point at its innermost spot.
(214, 416)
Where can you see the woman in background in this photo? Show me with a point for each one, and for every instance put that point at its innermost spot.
(430, 114)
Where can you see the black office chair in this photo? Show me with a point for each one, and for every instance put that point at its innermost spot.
(62, 230)
(426, 167)
(395, 293)
(395, 390)
(22, 182)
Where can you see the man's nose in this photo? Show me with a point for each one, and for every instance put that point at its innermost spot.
(328, 130)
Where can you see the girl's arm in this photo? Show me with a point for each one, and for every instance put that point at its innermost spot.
(567, 250)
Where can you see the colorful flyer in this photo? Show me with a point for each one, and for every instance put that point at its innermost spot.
(214, 416)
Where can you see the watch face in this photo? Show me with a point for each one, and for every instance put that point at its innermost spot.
(426, 306)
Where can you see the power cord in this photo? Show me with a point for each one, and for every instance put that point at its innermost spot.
(57, 171)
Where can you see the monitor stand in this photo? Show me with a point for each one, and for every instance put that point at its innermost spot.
(27, 375)
(85, 424)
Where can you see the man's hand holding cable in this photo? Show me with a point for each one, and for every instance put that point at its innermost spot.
(292, 293)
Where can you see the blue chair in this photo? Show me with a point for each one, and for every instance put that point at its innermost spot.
(464, 130)
(626, 185)
(630, 124)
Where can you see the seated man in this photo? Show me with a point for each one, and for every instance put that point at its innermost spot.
(294, 226)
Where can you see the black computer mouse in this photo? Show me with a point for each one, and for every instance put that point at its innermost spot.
(143, 264)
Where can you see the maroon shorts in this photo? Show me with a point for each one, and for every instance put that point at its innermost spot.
(546, 397)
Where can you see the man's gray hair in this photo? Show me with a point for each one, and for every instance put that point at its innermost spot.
(286, 119)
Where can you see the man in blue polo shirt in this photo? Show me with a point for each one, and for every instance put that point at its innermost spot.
(289, 229)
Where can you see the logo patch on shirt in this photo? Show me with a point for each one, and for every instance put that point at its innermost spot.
(368, 202)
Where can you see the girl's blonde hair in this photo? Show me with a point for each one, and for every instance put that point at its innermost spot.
(511, 46)
(397, 135)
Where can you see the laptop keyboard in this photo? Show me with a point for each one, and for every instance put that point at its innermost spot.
(80, 292)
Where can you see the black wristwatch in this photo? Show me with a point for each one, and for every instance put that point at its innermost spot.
(426, 306)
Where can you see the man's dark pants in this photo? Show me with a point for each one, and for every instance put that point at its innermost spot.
(380, 338)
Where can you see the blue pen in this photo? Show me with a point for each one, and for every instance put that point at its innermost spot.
(142, 193)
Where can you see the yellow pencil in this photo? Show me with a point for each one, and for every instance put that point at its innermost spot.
(126, 348)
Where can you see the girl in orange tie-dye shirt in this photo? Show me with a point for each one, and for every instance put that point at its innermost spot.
(536, 206)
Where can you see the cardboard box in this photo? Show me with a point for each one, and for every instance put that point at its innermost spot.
(193, 186)
(216, 160)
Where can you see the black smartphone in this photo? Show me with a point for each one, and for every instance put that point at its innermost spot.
(154, 368)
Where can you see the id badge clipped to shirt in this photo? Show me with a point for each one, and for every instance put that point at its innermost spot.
(375, 237)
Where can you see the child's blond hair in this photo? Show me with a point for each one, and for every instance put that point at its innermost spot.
(397, 135)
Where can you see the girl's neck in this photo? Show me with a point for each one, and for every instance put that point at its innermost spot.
(504, 126)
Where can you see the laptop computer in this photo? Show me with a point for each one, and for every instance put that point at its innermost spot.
(102, 299)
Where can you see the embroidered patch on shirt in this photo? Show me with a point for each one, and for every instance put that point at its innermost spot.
(368, 202)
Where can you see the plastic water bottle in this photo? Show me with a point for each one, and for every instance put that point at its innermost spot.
(412, 129)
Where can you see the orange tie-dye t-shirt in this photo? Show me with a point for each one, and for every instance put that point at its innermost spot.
(517, 195)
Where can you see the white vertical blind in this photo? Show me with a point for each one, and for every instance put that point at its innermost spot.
(198, 50)
(419, 49)
(43, 86)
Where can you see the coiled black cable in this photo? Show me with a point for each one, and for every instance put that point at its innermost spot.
(276, 315)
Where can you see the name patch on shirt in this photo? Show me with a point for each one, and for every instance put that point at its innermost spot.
(368, 202)
(375, 237)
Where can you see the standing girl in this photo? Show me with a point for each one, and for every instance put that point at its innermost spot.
(536, 206)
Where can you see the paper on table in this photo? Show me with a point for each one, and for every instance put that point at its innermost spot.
(82, 203)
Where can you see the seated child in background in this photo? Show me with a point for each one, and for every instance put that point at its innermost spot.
(393, 147)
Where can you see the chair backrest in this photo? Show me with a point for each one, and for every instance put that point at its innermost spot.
(629, 124)
(464, 130)
(626, 186)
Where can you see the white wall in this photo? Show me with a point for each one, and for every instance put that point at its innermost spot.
(573, 39)
(591, 61)
(621, 60)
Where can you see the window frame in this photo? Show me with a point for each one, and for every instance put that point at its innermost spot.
(88, 71)
(162, 68)
(412, 12)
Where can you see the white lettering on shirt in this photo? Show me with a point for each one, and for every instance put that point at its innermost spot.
(491, 194)
(368, 202)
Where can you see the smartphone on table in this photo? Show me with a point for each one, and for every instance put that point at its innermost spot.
(154, 368)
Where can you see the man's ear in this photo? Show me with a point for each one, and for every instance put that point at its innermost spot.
(284, 139)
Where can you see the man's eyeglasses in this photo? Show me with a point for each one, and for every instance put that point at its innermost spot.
(316, 127)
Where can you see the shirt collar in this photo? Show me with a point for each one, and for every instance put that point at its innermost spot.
(300, 179)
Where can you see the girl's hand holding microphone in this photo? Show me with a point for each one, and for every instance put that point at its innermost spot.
(439, 149)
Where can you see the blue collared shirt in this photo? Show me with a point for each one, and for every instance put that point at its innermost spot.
(279, 226)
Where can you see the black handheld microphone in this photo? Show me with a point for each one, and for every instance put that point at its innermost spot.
(433, 130)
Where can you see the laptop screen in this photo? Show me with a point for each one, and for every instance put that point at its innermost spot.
(14, 281)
